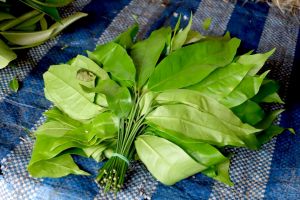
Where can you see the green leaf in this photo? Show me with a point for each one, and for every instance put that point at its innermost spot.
(193, 36)
(63, 89)
(203, 153)
(249, 112)
(166, 161)
(37, 37)
(88, 64)
(181, 36)
(5, 16)
(202, 103)
(272, 98)
(247, 88)
(126, 39)
(206, 23)
(14, 22)
(200, 126)
(269, 133)
(145, 60)
(55, 114)
(29, 22)
(222, 81)
(53, 3)
(268, 119)
(146, 101)
(191, 64)
(267, 92)
(27, 38)
(116, 61)
(118, 97)
(105, 125)
(220, 173)
(6, 55)
(43, 24)
(14, 84)
(52, 12)
(62, 24)
(55, 167)
(257, 60)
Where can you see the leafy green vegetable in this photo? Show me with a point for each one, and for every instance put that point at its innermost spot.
(173, 100)
(14, 84)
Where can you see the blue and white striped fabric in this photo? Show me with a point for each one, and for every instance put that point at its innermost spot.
(270, 173)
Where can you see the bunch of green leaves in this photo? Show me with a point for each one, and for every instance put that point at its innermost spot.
(173, 100)
(21, 27)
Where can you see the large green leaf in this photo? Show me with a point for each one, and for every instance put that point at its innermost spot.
(6, 55)
(191, 64)
(201, 126)
(59, 166)
(247, 88)
(202, 103)
(222, 81)
(116, 61)
(258, 60)
(166, 161)
(145, 61)
(203, 153)
(63, 89)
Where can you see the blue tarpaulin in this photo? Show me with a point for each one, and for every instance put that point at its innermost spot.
(270, 173)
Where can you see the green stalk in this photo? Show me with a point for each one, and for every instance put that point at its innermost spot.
(112, 175)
